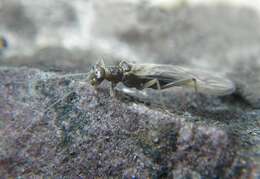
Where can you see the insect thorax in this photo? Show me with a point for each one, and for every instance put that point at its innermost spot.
(114, 74)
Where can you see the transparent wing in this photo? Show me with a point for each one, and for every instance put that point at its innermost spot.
(207, 82)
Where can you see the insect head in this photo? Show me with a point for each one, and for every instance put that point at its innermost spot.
(100, 72)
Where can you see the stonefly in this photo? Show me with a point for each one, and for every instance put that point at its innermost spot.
(156, 76)
(159, 77)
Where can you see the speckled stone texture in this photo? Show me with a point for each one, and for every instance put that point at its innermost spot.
(55, 125)
(47, 130)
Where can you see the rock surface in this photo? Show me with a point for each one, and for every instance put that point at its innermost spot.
(46, 130)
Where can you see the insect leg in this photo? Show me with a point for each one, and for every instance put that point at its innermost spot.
(182, 82)
(111, 89)
(153, 82)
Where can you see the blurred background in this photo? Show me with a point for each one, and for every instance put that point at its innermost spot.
(221, 36)
(60, 35)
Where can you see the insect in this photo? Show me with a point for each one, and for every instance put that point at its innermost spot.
(159, 77)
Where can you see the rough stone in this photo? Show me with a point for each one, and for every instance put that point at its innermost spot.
(46, 130)
(50, 127)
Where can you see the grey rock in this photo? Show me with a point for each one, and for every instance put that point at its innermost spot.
(49, 128)
(56, 126)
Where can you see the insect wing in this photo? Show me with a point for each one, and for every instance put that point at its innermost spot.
(207, 82)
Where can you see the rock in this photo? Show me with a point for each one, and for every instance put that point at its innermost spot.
(59, 127)
(50, 128)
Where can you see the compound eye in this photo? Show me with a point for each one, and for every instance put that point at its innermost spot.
(125, 66)
(98, 73)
